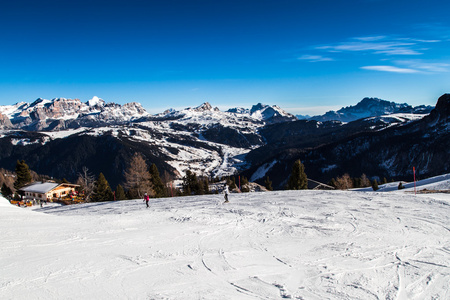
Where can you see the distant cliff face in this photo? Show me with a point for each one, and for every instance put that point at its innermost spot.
(60, 113)
(5, 122)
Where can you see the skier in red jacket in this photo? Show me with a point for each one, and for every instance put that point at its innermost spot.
(146, 199)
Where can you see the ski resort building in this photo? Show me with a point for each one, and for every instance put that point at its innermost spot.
(48, 190)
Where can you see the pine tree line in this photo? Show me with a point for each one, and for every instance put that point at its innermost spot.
(140, 179)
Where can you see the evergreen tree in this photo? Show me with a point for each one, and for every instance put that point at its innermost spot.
(206, 186)
(245, 186)
(23, 175)
(6, 191)
(400, 186)
(190, 183)
(375, 185)
(200, 188)
(333, 183)
(120, 193)
(357, 182)
(298, 179)
(268, 184)
(158, 186)
(102, 190)
(232, 184)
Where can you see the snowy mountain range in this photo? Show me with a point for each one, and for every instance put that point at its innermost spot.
(61, 114)
(370, 107)
(58, 137)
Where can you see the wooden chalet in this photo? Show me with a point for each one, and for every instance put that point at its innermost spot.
(48, 191)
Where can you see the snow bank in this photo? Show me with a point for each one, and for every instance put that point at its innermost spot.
(441, 182)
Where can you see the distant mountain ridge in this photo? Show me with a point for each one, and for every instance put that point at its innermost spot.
(370, 107)
(62, 113)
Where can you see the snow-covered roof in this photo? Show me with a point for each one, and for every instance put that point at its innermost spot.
(40, 187)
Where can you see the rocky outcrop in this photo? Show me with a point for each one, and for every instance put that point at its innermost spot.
(443, 107)
(5, 123)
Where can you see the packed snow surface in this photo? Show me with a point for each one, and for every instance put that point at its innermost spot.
(273, 245)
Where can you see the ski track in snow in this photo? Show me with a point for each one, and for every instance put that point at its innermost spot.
(274, 245)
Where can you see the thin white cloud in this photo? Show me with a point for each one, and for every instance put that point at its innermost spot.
(370, 38)
(391, 69)
(399, 51)
(315, 58)
(420, 40)
(382, 47)
(428, 67)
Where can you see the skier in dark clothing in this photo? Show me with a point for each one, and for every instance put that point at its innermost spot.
(226, 192)
(146, 199)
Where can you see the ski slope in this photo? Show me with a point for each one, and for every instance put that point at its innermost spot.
(273, 245)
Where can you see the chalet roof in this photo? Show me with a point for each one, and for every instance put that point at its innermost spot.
(40, 187)
(43, 187)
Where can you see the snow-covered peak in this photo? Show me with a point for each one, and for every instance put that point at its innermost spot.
(270, 113)
(239, 110)
(95, 101)
(9, 110)
(258, 107)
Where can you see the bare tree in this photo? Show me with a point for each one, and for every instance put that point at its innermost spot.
(365, 182)
(344, 182)
(137, 177)
(86, 180)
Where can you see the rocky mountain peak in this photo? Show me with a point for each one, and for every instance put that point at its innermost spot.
(204, 107)
(442, 109)
(257, 107)
(443, 105)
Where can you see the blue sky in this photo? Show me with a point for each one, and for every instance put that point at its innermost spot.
(306, 56)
